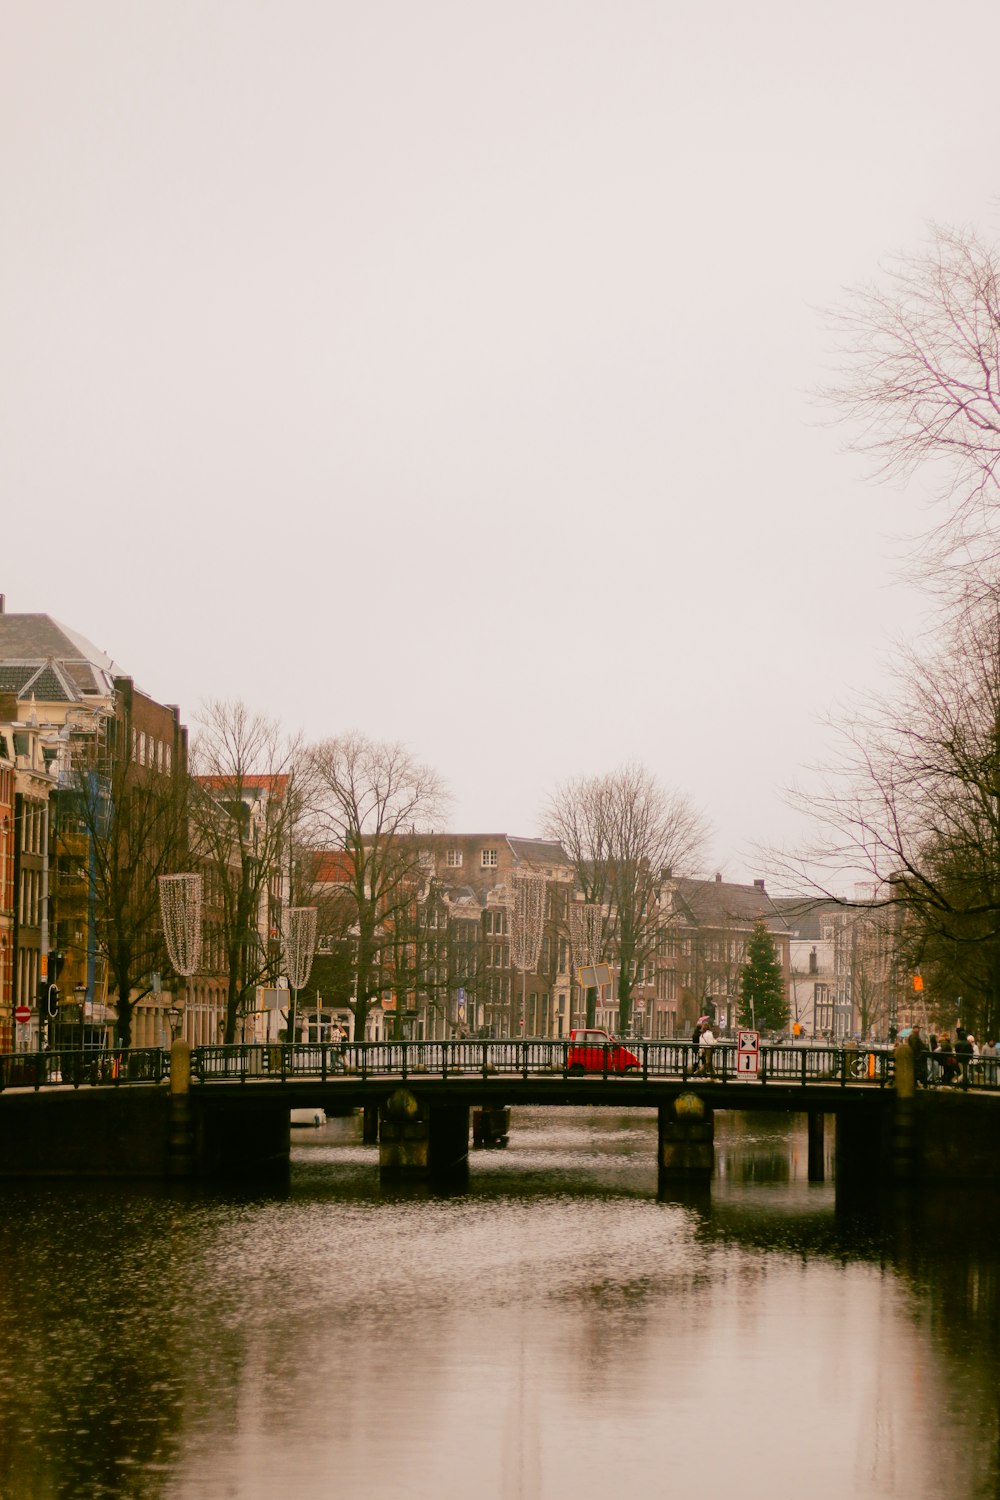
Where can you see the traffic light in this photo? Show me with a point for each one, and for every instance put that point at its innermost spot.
(52, 1001)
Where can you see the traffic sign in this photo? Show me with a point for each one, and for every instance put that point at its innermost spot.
(22, 1015)
(747, 1052)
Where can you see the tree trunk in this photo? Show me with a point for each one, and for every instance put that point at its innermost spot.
(624, 1000)
(232, 997)
(123, 1024)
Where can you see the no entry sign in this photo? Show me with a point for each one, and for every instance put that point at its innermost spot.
(22, 1015)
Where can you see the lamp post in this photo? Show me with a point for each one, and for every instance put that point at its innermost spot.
(80, 995)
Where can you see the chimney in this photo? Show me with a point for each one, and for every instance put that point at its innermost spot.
(3, 604)
(759, 884)
(718, 877)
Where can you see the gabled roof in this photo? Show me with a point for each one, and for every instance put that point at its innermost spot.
(804, 914)
(721, 903)
(538, 851)
(332, 867)
(46, 682)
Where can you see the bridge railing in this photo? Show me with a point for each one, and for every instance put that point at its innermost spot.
(534, 1057)
(72, 1067)
(543, 1057)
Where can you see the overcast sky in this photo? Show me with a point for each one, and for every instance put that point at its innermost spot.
(445, 371)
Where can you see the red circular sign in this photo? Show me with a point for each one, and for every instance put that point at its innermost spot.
(22, 1015)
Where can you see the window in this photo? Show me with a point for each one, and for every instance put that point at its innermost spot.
(453, 858)
(488, 859)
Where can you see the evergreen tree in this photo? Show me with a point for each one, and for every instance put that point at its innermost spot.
(763, 1003)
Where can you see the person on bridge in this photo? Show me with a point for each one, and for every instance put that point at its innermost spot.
(918, 1047)
(706, 1045)
(947, 1060)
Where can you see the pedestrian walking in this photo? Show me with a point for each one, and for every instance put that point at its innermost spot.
(706, 1046)
(918, 1047)
(946, 1059)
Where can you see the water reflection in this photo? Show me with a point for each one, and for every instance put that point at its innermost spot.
(555, 1328)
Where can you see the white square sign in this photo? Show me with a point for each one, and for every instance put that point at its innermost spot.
(747, 1053)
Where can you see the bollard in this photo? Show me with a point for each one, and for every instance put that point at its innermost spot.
(904, 1113)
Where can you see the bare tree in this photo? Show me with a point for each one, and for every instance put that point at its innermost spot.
(372, 800)
(921, 380)
(913, 806)
(621, 831)
(246, 798)
(133, 821)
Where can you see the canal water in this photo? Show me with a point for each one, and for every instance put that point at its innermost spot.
(554, 1329)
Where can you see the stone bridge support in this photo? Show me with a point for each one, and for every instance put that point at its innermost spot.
(419, 1139)
(686, 1140)
(817, 1164)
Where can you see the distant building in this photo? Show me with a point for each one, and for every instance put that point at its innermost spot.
(846, 979)
(705, 926)
(7, 889)
(66, 701)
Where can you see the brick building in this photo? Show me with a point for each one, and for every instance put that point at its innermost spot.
(705, 927)
(71, 712)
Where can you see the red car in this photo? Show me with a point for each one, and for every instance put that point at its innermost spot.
(592, 1051)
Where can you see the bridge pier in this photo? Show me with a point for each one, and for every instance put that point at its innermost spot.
(490, 1125)
(418, 1138)
(686, 1140)
(817, 1163)
(369, 1126)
